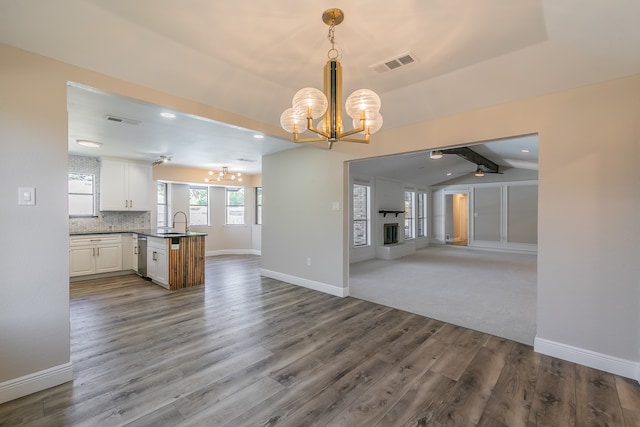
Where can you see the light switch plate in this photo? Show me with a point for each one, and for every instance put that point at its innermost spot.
(26, 196)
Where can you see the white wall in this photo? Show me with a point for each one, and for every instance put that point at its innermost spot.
(300, 188)
(34, 266)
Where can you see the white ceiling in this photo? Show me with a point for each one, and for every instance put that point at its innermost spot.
(250, 57)
(145, 135)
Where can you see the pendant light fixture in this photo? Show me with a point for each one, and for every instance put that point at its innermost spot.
(310, 104)
(224, 175)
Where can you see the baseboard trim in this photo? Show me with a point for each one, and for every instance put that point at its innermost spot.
(592, 359)
(234, 252)
(306, 283)
(42, 380)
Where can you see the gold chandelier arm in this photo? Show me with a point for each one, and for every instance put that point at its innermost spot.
(366, 139)
(351, 132)
(316, 130)
(296, 139)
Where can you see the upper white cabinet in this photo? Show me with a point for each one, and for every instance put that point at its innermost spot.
(124, 186)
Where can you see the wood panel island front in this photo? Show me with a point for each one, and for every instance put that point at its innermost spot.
(171, 260)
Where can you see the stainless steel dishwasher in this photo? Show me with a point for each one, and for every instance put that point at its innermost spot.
(142, 255)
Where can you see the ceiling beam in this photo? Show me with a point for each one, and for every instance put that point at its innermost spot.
(471, 156)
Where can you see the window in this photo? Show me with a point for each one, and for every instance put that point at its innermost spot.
(81, 194)
(422, 214)
(409, 214)
(162, 204)
(235, 206)
(259, 205)
(198, 205)
(361, 215)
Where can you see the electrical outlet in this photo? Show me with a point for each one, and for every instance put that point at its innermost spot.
(308, 261)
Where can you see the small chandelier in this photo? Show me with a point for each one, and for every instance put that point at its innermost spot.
(309, 104)
(224, 175)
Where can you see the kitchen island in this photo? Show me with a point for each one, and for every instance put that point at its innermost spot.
(173, 260)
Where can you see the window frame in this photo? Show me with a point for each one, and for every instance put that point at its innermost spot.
(410, 215)
(165, 220)
(366, 211)
(228, 207)
(422, 214)
(92, 195)
(258, 197)
(207, 206)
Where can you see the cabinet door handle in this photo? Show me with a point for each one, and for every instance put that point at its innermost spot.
(98, 251)
(131, 203)
(93, 251)
(154, 256)
(135, 250)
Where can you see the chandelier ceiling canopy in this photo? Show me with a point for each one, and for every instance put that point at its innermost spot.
(310, 104)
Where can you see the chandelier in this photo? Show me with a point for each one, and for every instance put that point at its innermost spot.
(224, 175)
(309, 104)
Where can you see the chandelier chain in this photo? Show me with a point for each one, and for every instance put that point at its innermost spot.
(333, 52)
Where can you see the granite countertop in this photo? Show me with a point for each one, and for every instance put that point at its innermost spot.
(145, 232)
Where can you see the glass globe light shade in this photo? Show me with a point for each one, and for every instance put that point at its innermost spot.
(290, 120)
(374, 124)
(313, 98)
(363, 99)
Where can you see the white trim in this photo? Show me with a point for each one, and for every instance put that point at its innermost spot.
(306, 283)
(592, 359)
(37, 381)
(234, 252)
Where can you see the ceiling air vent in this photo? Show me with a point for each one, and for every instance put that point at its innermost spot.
(245, 160)
(123, 120)
(393, 63)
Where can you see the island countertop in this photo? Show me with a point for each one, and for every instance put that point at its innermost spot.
(145, 232)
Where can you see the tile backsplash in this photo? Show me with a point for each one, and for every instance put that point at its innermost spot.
(104, 221)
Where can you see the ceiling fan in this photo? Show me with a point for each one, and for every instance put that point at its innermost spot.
(161, 160)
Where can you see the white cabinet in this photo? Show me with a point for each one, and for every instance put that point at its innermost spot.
(124, 186)
(158, 261)
(95, 253)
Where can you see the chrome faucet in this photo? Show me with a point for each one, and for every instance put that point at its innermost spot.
(186, 221)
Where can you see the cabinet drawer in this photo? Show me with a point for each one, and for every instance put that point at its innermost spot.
(95, 239)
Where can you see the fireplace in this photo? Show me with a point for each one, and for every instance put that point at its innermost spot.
(390, 233)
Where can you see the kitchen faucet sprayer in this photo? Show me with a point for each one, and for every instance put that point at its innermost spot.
(186, 223)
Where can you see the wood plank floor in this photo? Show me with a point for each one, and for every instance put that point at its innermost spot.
(245, 350)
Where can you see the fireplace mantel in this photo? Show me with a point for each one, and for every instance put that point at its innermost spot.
(385, 212)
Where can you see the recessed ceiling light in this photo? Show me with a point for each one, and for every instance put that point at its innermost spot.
(258, 136)
(525, 150)
(168, 115)
(87, 143)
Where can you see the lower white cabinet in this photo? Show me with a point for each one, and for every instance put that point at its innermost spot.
(158, 261)
(95, 253)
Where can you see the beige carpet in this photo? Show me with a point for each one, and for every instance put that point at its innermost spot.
(492, 292)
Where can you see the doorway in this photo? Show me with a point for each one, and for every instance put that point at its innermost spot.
(456, 218)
